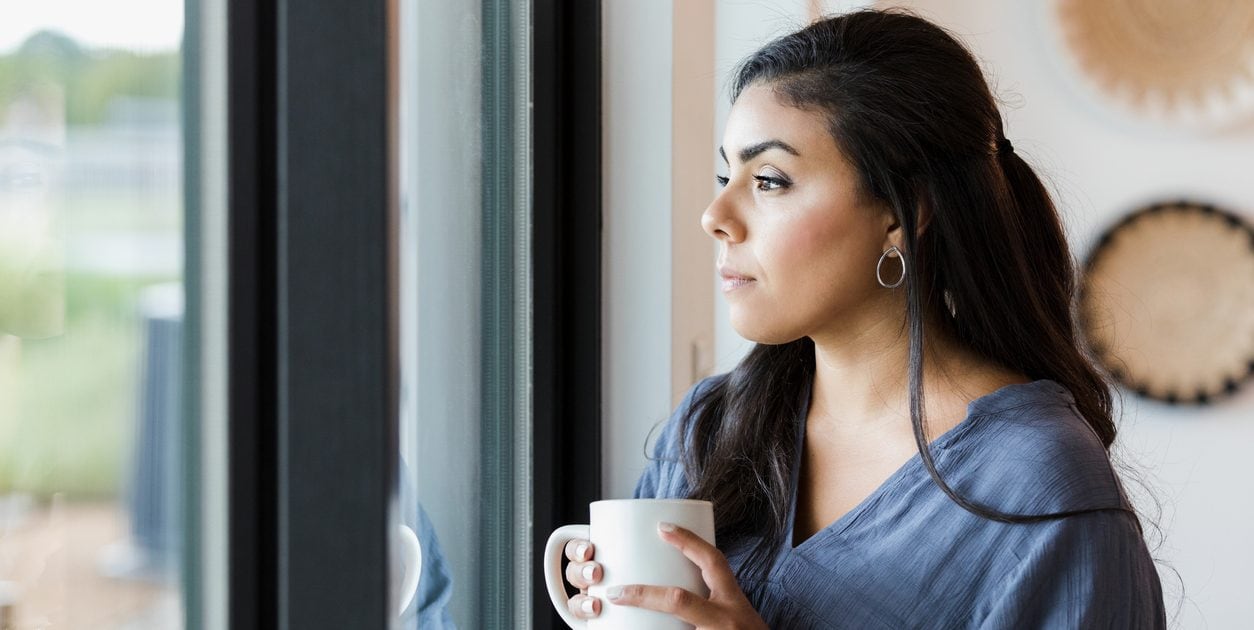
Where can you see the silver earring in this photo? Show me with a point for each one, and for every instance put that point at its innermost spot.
(879, 277)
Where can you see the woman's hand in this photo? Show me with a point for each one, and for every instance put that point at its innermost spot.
(582, 572)
(727, 606)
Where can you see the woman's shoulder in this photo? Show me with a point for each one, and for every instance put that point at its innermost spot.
(701, 387)
(1031, 451)
(664, 476)
(668, 441)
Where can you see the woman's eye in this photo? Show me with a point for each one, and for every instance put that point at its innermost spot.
(769, 183)
(765, 183)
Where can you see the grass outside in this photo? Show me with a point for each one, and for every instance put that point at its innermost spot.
(67, 423)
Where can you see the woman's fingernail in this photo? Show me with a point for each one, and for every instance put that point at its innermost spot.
(588, 606)
(615, 592)
(666, 527)
(580, 550)
(589, 571)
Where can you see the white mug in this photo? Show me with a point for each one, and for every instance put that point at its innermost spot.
(626, 544)
(405, 582)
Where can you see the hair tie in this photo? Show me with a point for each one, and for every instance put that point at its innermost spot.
(1004, 146)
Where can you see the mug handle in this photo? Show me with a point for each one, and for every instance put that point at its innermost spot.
(553, 570)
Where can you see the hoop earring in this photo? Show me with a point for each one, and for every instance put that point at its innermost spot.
(881, 263)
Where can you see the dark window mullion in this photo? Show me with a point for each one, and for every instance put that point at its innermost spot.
(251, 325)
(567, 222)
(312, 313)
(337, 446)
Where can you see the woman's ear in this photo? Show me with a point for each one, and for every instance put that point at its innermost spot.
(892, 226)
(892, 230)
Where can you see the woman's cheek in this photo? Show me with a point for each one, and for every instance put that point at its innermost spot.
(808, 240)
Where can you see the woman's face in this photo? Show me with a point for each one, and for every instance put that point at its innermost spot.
(790, 217)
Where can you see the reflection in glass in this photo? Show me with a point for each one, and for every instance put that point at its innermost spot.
(440, 284)
(465, 359)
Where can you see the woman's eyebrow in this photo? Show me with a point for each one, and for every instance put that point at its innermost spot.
(753, 150)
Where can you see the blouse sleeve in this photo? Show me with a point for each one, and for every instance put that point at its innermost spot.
(1085, 571)
(663, 476)
(435, 589)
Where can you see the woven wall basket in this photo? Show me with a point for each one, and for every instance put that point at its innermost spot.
(1186, 61)
(1166, 302)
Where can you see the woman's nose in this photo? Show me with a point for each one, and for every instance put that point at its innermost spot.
(719, 220)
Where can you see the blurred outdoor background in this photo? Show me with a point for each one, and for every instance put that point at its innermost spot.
(91, 220)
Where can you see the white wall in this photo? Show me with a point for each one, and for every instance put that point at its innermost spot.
(636, 97)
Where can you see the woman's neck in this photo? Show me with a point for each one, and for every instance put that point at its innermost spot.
(862, 380)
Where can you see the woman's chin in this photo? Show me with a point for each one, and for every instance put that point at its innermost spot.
(757, 332)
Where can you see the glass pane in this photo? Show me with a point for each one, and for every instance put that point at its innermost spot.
(92, 325)
(464, 434)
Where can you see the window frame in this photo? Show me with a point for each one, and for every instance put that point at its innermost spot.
(567, 223)
(312, 338)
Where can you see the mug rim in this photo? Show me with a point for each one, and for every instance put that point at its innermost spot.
(654, 501)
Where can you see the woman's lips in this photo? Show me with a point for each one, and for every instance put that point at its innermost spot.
(733, 279)
(731, 283)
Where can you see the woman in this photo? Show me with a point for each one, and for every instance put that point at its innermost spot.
(917, 439)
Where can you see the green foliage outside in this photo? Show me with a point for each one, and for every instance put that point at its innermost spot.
(68, 402)
(70, 425)
(89, 78)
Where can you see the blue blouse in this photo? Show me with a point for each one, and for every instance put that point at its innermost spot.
(907, 556)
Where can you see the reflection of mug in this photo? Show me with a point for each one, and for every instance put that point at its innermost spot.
(405, 585)
(626, 544)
